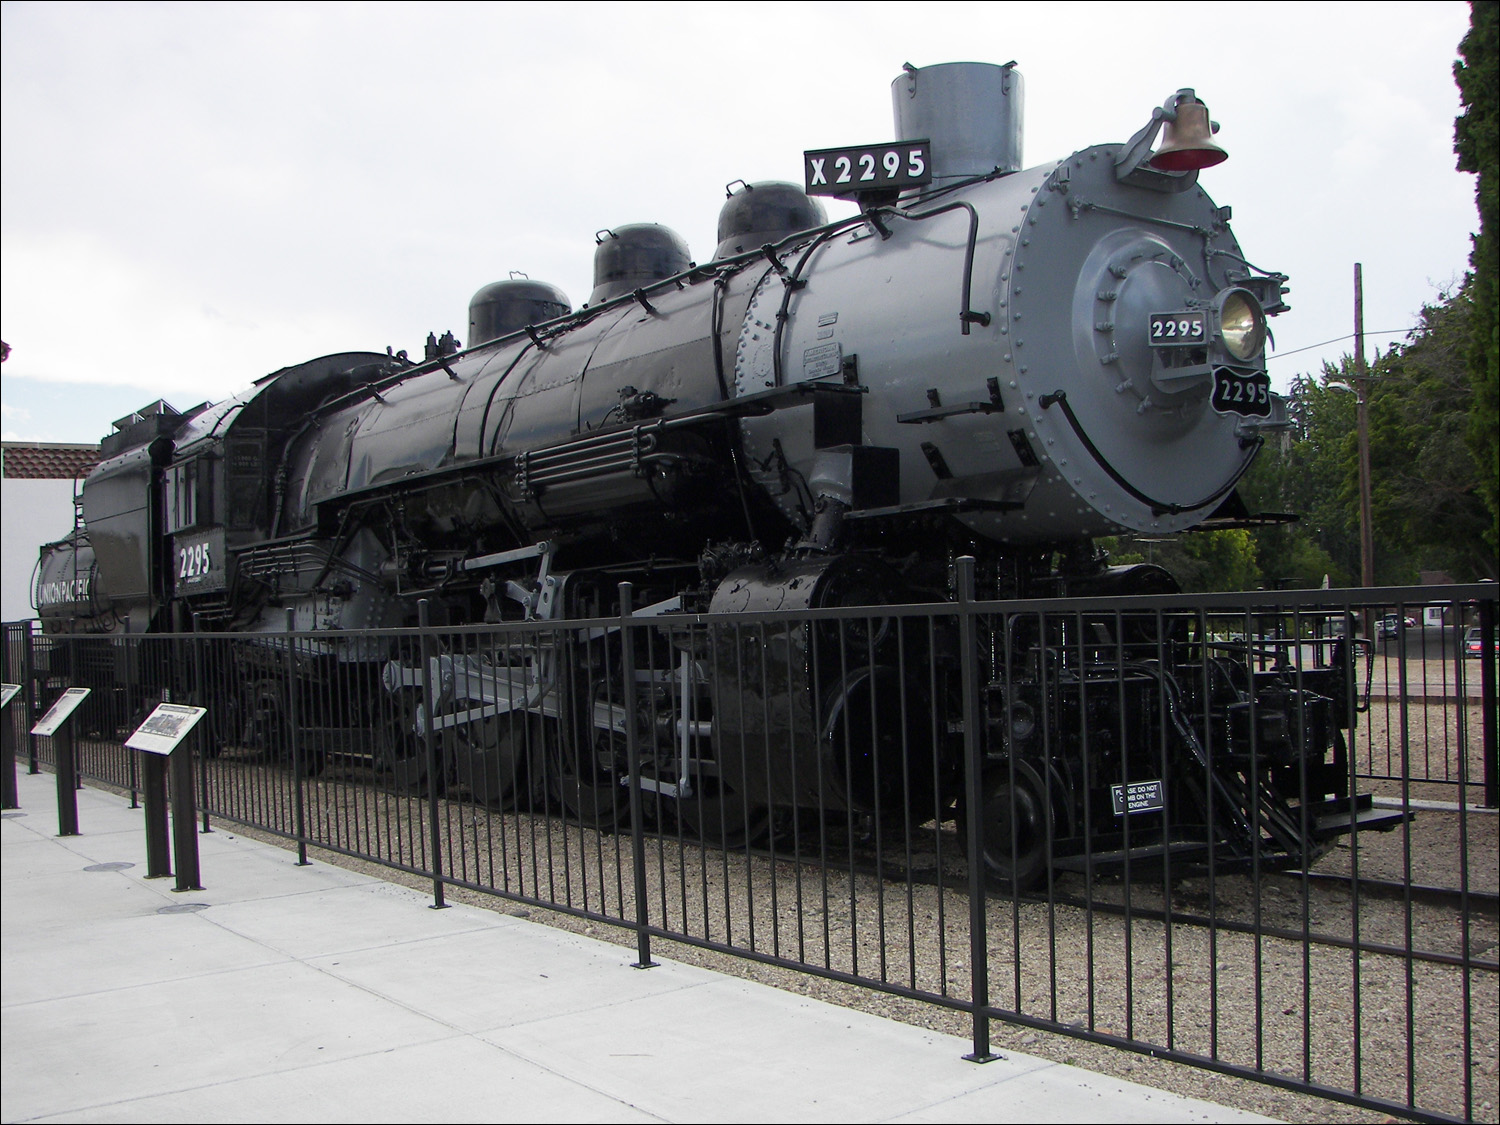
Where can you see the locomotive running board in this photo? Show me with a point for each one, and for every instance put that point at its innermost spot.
(952, 505)
(1343, 816)
(1177, 849)
(1327, 820)
(761, 403)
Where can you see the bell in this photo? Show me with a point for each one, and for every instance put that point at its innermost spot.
(1187, 143)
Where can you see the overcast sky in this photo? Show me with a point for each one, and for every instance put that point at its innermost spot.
(196, 194)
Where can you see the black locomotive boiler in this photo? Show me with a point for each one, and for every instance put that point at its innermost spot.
(987, 361)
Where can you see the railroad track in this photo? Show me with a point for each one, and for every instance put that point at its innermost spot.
(1484, 904)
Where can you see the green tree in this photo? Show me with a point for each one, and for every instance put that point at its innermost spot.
(1219, 560)
(1427, 486)
(1476, 135)
(1303, 472)
(1428, 505)
(1201, 561)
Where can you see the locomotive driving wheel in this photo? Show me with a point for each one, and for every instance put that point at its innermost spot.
(588, 766)
(1015, 828)
(400, 748)
(263, 718)
(495, 757)
(265, 710)
(722, 816)
(587, 762)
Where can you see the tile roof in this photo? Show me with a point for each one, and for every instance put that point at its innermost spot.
(36, 460)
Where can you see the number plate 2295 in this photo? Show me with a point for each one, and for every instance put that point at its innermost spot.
(199, 561)
(1178, 329)
(1235, 393)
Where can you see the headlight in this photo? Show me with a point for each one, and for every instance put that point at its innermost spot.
(1242, 324)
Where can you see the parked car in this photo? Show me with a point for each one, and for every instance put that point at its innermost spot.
(1388, 626)
(1474, 646)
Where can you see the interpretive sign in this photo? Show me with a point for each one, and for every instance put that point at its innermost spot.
(165, 727)
(9, 796)
(58, 713)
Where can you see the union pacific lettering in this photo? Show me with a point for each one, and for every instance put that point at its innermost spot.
(62, 592)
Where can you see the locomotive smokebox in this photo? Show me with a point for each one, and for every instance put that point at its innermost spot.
(971, 112)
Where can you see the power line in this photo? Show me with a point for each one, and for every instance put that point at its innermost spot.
(1337, 339)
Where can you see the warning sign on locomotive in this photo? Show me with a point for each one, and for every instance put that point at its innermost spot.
(1137, 797)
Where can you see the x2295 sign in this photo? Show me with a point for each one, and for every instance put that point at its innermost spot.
(845, 171)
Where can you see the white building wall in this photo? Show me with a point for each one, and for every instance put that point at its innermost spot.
(32, 512)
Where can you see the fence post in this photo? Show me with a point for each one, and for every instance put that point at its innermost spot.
(1487, 698)
(11, 799)
(132, 648)
(29, 689)
(633, 759)
(429, 749)
(979, 945)
(292, 721)
(202, 699)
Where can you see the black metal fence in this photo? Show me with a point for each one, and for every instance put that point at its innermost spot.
(1254, 833)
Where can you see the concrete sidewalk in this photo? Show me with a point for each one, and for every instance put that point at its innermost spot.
(317, 994)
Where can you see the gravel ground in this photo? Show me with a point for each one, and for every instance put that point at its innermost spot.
(1288, 1004)
(1430, 750)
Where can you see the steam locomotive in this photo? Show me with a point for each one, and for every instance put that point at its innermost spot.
(984, 361)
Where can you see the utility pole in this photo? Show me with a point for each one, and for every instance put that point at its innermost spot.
(1362, 409)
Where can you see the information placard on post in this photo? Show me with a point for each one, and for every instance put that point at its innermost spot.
(9, 798)
(55, 725)
(58, 713)
(160, 735)
(165, 727)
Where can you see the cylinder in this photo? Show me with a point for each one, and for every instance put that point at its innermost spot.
(971, 112)
(818, 715)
